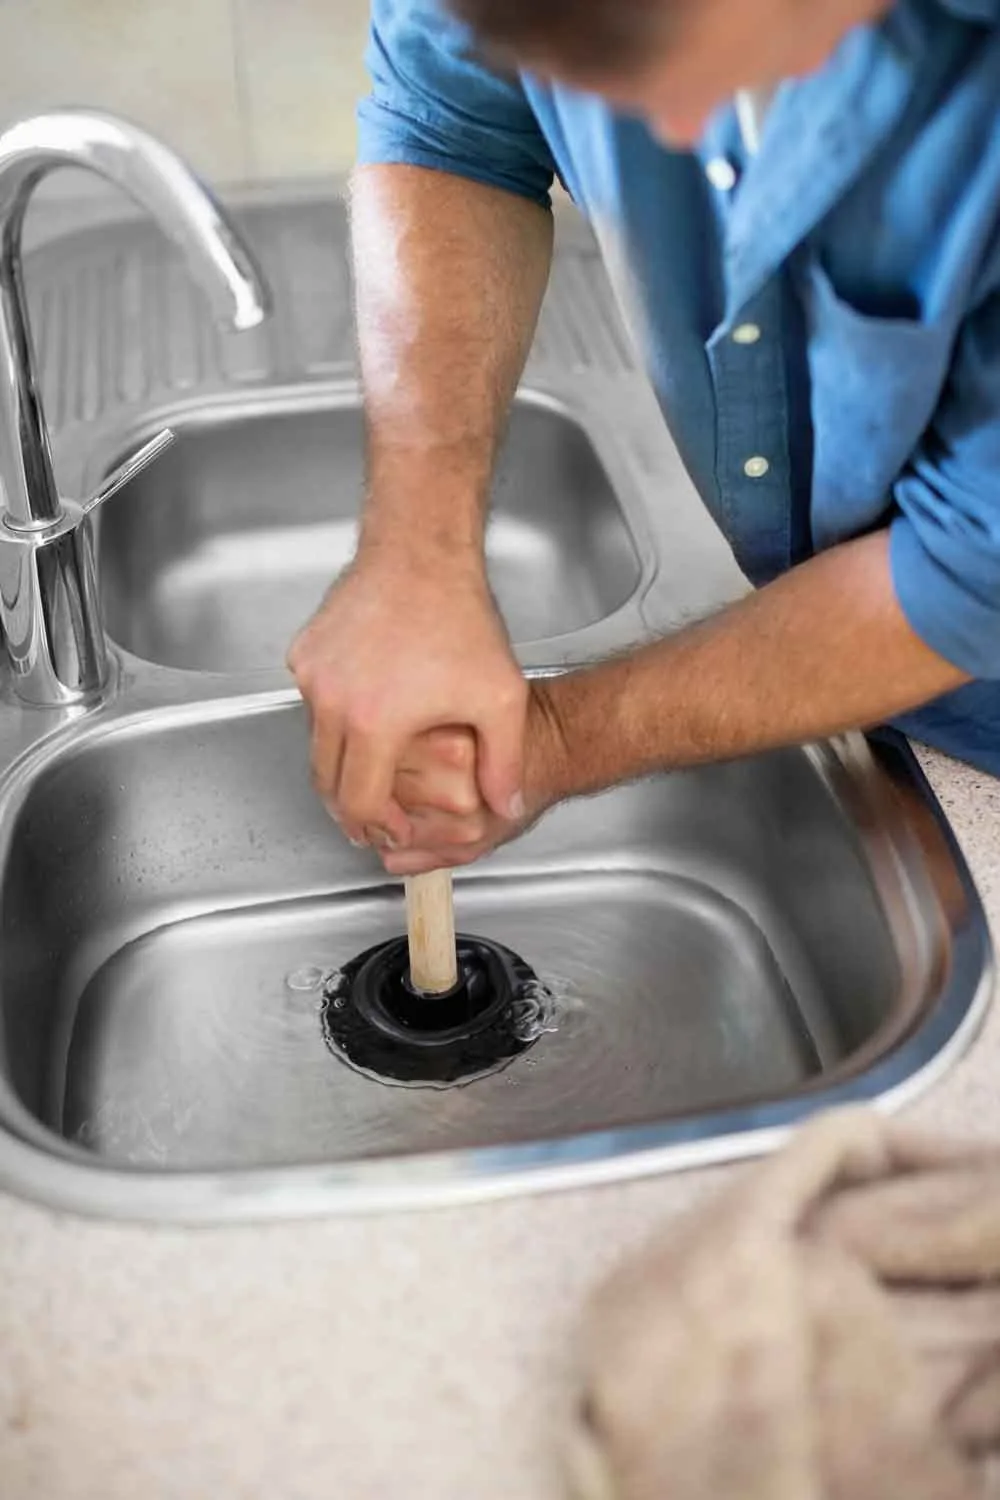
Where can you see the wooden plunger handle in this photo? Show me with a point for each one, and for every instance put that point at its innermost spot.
(430, 921)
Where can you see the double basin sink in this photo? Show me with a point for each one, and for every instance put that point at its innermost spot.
(728, 949)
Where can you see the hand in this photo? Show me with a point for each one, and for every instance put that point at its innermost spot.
(436, 786)
(406, 643)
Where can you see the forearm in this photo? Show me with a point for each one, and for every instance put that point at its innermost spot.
(823, 649)
(449, 280)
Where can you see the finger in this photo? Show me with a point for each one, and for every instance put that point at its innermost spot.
(383, 839)
(439, 771)
(433, 829)
(364, 792)
(326, 752)
(354, 836)
(422, 862)
(453, 745)
(408, 863)
(500, 761)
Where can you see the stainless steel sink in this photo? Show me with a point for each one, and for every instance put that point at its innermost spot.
(727, 949)
(221, 551)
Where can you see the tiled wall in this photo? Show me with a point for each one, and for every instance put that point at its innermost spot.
(245, 89)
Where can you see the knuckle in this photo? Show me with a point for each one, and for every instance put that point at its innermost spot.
(512, 693)
(457, 750)
(319, 690)
(302, 656)
(408, 799)
(299, 644)
(326, 698)
(366, 716)
(464, 801)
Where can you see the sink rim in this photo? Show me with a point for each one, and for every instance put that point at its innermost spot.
(38, 1164)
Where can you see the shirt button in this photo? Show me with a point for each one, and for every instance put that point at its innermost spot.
(721, 174)
(746, 333)
(756, 467)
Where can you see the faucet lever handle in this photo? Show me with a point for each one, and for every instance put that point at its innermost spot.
(139, 460)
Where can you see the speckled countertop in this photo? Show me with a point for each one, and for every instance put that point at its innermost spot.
(425, 1357)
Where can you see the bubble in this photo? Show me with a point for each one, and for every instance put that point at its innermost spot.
(305, 980)
(534, 1012)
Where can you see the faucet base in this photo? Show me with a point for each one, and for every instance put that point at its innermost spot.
(57, 652)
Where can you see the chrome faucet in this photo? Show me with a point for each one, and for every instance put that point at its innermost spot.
(49, 614)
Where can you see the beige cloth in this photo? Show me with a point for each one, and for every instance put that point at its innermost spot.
(827, 1330)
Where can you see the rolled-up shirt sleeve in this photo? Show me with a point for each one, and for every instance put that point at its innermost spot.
(434, 103)
(945, 536)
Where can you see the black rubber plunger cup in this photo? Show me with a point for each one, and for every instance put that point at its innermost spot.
(377, 1017)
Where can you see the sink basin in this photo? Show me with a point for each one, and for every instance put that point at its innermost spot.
(217, 554)
(727, 948)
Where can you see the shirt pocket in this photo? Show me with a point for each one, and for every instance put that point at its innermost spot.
(875, 383)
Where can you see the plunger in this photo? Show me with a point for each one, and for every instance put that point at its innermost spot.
(432, 1007)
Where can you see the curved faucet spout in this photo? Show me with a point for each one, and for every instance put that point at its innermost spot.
(158, 181)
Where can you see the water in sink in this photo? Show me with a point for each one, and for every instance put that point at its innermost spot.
(190, 1049)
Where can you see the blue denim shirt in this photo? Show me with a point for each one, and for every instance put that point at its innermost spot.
(821, 321)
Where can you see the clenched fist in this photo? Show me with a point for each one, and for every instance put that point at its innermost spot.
(397, 649)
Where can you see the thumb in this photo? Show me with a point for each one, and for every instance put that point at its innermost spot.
(500, 763)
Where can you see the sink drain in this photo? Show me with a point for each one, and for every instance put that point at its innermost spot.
(375, 1020)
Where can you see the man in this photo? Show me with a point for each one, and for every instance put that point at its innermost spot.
(821, 320)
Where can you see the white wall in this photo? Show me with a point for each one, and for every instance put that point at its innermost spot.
(245, 89)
